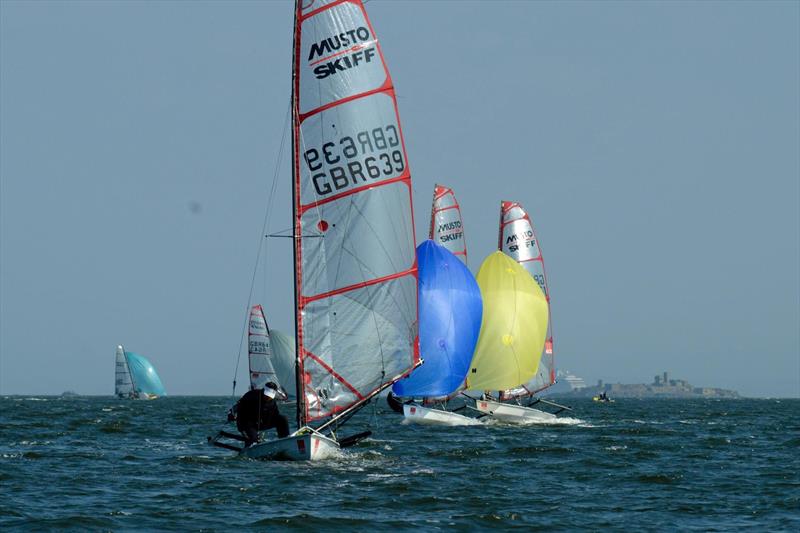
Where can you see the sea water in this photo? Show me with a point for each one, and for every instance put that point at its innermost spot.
(99, 463)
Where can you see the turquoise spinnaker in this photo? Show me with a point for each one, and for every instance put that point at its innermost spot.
(145, 378)
(450, 311)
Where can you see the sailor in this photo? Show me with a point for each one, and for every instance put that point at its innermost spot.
(257, 410)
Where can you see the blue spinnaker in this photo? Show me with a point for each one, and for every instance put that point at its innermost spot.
(145, 378)
(450, 310)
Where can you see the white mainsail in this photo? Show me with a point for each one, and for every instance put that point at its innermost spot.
(447, 227)
(355, 268)
(123, 383)
(259, 350)
(518, 240)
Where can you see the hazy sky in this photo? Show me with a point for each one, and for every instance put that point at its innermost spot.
(656, 146)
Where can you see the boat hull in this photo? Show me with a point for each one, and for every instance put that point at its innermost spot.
(435, 417)
(306, 447)
(513, 413)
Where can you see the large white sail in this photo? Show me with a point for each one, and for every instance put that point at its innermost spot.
(259, 349)
(518, 240)
(123, 384)
(355, 267)
(447, 228)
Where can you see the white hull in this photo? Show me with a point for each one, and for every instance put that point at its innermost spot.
(306, 447)
(513, 413)
(435, 417)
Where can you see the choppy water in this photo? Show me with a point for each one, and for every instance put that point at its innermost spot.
(100, 463)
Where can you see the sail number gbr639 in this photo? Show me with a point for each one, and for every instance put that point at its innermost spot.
(354, 160)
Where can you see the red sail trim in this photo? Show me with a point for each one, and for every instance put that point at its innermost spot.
(405, 177)
(333, 373)
(360, 285)
(383, 60)
(440, 191)
(319, 10)
(387, 87)
(449, 207)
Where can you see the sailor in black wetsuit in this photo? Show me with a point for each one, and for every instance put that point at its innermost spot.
(257, 410)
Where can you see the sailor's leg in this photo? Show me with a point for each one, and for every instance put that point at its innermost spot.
(282, 426)
(250, 433)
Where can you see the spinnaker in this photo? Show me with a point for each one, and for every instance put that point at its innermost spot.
(136, 377)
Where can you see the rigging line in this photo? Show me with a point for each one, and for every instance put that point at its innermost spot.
(261, 245)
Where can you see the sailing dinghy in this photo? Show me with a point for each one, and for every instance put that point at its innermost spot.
(135, 377)
(353, 234)
(517, 239)
(512, 331)
(450, 312)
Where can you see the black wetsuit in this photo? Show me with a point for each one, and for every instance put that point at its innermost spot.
(256, 412)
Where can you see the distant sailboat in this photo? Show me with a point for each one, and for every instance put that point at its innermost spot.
(260, 353)
(355, 266)
(450, 318)
(135, 377)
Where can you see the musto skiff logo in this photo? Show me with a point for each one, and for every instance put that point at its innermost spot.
(341, 52)
(450, 231)
(351, 161)
(526, 238)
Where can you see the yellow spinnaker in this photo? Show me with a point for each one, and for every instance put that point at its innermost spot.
(513, 327)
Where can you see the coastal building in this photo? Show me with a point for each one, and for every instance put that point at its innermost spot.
(661, 387)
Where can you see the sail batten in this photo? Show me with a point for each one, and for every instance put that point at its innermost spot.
(517, 239)
(355, 281)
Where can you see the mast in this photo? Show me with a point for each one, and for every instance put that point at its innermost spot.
(296, 227)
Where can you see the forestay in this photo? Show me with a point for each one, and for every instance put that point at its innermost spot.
(259, 350)
(517, 238)
(354, 234)
(447, 228)
(513, 326)
(449, 322)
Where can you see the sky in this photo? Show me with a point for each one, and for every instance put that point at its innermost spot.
(656, 146)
